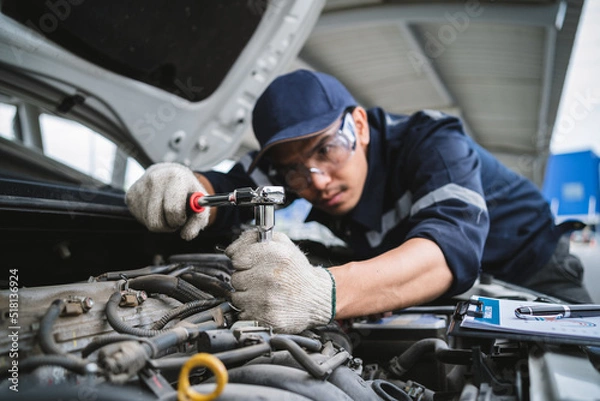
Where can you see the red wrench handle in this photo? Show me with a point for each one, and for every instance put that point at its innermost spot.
(192, 204)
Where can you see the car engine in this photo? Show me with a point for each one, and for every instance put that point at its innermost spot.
(168, 332)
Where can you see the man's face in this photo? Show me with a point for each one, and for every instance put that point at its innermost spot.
(328, 169)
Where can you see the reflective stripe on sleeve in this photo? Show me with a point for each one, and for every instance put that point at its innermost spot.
(405, 208)
(449, 191)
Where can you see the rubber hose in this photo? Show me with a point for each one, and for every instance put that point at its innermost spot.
(174, 287)
(45, 336)
(455, 356)
(112, 315)
(286, 378)
(217, 273)
(217, 261)
(231, 357)
(208, 314)
(209, 284)
(169, 338)
(388, 391)
(243, 354)
(310, 344)
(185, 310)
(401, 364)
(280, 358)
(315, 369)
(285, 358)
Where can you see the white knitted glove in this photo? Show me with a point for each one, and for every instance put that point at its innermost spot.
(158, 200)
(275, 284)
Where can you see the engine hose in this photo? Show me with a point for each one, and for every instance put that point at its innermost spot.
(388, 391)
(45, 337)
(185, 310)
(112, 316)
(317, 370)
(211, 285)
(399, 365)
(231, 357)
(216, 273)
(243, 354)
(285, 358)
(205, 261)
(455, 356)
(311, 344)
(285, 378)
(215, 313)
(169, 338)
(174, 287)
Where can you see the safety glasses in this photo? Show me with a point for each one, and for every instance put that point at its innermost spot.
(331, 153)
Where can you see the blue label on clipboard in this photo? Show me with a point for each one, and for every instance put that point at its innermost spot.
(491, 311)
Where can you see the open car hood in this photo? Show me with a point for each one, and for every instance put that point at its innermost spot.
(168, 81)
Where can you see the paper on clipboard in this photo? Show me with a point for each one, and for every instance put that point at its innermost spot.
(499, 315)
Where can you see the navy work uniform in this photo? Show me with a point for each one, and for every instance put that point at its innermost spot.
(428, 179)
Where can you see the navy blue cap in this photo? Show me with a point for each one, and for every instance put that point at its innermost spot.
(296, 105)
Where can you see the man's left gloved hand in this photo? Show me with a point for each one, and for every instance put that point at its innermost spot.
(275, 284)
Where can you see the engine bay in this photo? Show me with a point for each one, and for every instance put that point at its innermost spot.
(168, 332)
(94, 307)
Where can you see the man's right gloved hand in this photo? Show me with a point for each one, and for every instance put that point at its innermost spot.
(158, 200)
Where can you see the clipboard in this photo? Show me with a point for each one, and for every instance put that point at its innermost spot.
(492, 318)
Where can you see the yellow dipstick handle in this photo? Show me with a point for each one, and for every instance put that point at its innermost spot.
(185, 392)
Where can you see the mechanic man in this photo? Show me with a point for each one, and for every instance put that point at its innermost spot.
(423, 208)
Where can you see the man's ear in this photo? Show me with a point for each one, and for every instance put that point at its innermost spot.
(362, 125)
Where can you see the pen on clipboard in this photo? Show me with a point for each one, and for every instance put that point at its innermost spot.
(557, 311)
